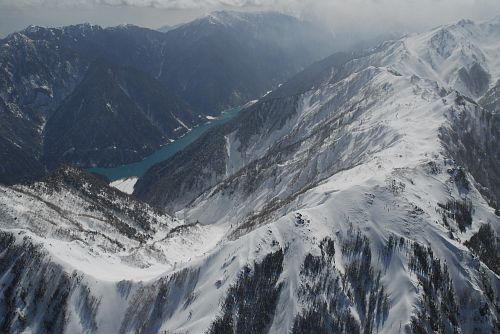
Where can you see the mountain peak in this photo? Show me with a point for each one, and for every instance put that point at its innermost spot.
(225, 17)
(465, 23)
(231, 17)
(495, 20)
(34, 28)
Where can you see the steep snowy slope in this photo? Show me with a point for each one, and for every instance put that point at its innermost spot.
(69, 239)
(343, 202)
(384, 127)
(463, 56)
(86, 224)
(268, 121)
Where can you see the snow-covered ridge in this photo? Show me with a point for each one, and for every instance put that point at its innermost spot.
(364, 148)
(99, 231)
(463, 56)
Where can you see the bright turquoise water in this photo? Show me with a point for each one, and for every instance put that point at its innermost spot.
(165, 152)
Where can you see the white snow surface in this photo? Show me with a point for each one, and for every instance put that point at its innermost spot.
(83, 239)
(125, 185)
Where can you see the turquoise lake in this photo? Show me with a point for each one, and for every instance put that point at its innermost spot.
(165, 152)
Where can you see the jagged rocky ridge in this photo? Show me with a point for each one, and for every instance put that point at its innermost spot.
(338, 205)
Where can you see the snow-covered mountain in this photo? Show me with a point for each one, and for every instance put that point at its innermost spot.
(360, 196)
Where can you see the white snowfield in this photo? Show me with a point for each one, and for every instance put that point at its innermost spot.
(368, 157)
(125, 185)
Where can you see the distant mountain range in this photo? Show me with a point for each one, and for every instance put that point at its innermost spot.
(103, 97)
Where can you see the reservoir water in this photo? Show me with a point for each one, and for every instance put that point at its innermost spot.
(165, 152)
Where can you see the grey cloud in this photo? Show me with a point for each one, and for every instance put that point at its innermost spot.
(337, 4)
(172, 4)
(353, 19)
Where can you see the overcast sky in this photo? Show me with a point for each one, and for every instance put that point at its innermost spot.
(346, 17)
